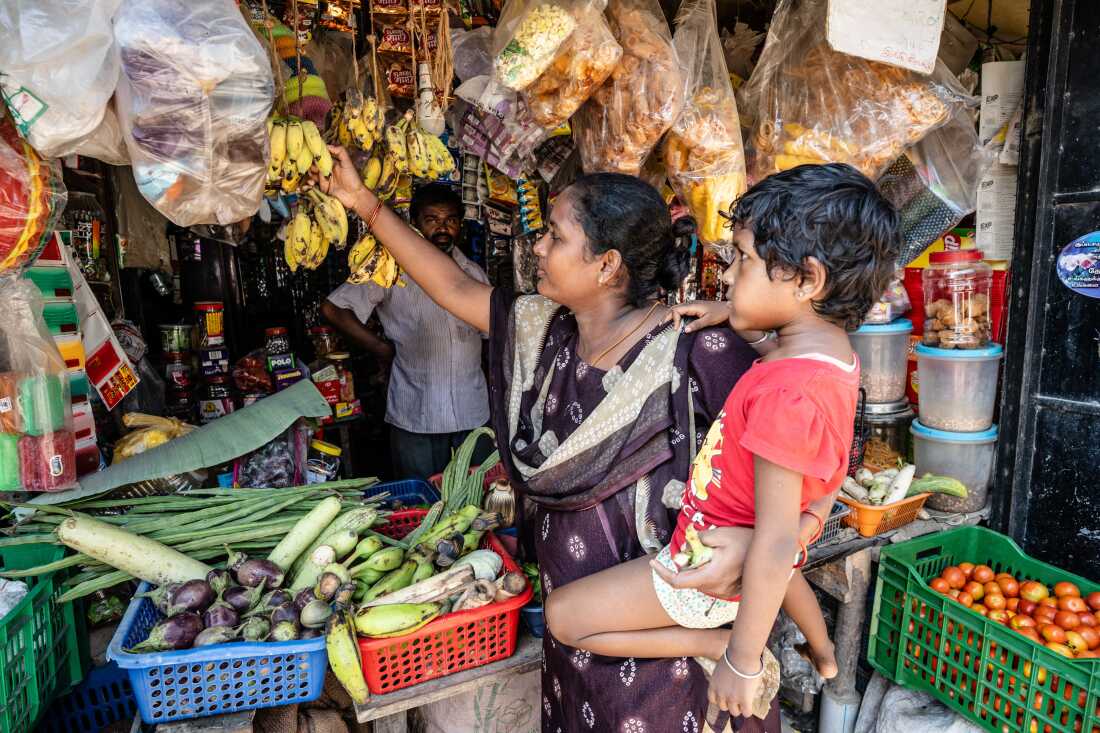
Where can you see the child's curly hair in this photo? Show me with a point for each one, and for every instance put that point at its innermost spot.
(834, 214)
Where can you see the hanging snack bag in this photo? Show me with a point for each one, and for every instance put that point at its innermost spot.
(193, 99)
(32, 198)
(527, 39)
(36, 390)
(811, 104)
(626, 117)
(703, 151)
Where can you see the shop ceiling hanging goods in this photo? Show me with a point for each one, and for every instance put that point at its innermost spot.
(626, 117)
(194, 96)
(32, 198)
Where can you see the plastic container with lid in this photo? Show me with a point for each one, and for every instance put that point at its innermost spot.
(957, 296)
(958, 389)
(883, 352)
(967, 457)
(888, 439)
(277, 343)
(210, 330)
(323, 463)
(324, 340)
(339, 359)
(177, 370)
(215, 399)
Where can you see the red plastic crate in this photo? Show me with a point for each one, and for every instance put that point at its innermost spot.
(494, 473)
(449, 644)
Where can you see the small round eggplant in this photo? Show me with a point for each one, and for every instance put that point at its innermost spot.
(219, 579)
(284, 631)
(286, 612)
(161, 597)
(215, 635)
(194, 595)
(255, 629)
(176, 632)
(221, 614)
(242, 599)
(276, 598)
(315, 614)
(253, 572)
(304, 597)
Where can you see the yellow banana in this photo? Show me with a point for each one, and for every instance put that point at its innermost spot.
(304, 161)
(370, 116)
(393, 619)
(360, 134)
(312, 137)
(278, 144)
(295, 139)
(333, 216)
(397, 143)
(291, 176)
(343, 134)
(418, 162)
(360, 251)
(372, 173)
(343, 656)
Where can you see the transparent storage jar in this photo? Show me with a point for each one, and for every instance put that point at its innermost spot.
(324, 341)
(966, 457)
(888, 438)
(340, 360)
(883, 357)
(957, 287)
(958, 389)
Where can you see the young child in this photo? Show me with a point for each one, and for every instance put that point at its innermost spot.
(815, 247)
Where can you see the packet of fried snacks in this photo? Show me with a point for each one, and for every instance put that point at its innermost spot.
(618, 127)
(394, 37)
(527, 38)
(807, 103)
(389, 7)
(703, 151)
(400, 79)
(432, 7)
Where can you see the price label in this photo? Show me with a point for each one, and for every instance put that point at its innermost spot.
(903, 33)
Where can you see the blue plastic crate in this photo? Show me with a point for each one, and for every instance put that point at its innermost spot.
(103, 698)
(410, 492)
(223, 678)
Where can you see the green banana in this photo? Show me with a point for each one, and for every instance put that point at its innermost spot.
(386, 559)
(394, 620)
(393, 581)
(457, 523)
(343, 656)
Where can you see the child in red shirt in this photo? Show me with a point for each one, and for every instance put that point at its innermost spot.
(815, 248)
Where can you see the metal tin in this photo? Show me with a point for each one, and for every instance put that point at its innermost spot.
(175, 338)
(214, 361)
(211, 323)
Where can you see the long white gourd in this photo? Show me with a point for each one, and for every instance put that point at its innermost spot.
(139, 556)
(305, 531)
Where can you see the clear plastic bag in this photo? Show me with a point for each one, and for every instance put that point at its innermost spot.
(473, 52)
(193, 99)
(527, 39)
(626, 117)
(809, 104)
(60, 70)
(148, 432)
(32, 197)
(34, 393)
(935, 183)
(703, 150)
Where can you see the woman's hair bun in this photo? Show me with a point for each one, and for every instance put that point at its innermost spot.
(676, 263)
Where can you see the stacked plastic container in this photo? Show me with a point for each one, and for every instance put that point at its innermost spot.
(883, 352)
(59, 312)
(957, 369)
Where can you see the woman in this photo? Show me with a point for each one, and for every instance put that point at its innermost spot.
(599, 404)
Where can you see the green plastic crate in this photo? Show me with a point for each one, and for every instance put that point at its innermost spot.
(39, 649)
(987, 672)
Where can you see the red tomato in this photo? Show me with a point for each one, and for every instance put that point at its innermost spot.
(983, 574)
(975, 589)
(1031, 633)
(1067, 620)
(1087, 619)
(1012, 604)
(939, 585)
(1090, 635)
(1050, 601)
(1094, 600)
(1066, 588)
(1044, 614)
(1009, 587)
(980, 609)
(967, 568)
(995, 602)
(1033, 591)
(965, 598)
(954, 577)
(1000, 616)
(1052, 633)
(1072, 603)
(1020, 621)
(1027, 607)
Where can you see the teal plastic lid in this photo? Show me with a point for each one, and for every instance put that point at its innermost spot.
(903, 325)
(989, 352)
(919, 429)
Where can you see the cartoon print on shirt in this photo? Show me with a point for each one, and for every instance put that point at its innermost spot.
(703, 470)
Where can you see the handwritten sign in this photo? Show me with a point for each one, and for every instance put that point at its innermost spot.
(903, 33)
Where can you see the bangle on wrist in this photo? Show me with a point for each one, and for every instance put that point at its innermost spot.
(820, 527)
(739, 673)
(373, 215)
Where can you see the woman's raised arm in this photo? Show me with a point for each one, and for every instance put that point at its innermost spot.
(434, 271)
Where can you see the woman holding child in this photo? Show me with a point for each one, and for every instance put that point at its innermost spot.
(601, 398)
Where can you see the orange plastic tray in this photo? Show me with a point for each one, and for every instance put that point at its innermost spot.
(449, 644)
(871, 520)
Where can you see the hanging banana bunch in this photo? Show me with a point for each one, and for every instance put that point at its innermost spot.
(296, 146)
(411, 150)
(369, 261)
(356, 121)
(381, 175)
(318, 225)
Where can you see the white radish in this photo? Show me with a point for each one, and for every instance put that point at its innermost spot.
(899, 487)
(139, 556)
(305, 531)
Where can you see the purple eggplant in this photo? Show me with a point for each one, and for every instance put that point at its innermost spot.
(254, 572)
(194, 595)
(284, 631)
(215, 635)
(311, 633)
(161, 596)
(286, 612)
(176, 632)
(219, 580)
(240, 598)
(276, 598)
(304, 597)
(221, 614)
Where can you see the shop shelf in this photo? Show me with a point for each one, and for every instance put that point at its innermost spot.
(988, 673)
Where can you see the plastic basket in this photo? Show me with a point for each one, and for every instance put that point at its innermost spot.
(871, 520)
(448, 644)
(986, 672)
(408, 492)
(103, 698)
(39, 651)
(494, 473)
(835, 524)
(211, 680)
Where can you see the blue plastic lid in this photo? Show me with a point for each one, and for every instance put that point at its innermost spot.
(918, 428)
(993, 350)
(903, 325)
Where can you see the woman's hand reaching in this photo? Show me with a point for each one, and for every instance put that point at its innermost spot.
(344, 183)
(721, 575)
(706, 313)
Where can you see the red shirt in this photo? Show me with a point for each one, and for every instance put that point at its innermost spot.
(797, 413)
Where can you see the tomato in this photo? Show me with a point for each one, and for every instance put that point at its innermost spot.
(1066, 588)
(1020, 621)
(1090, 635)
(1094, 600)
(1009, 587)
(1062, 649)
(983, 574)
(965, 598)
(1032, 591)
(967, 568)
(954, 577)
(1027, 607)
(1031, 633)
(995, 602)
(1076, 642)
(954, 593)
(992, 589)
(1067, 620)
(1044, 614)
(980, 609)
(975, 590)
(1072, 603)
(939, 585)
(1050, 601)
(1000, 616)
(1090, 654)
(1012, 604)
(1052, 633)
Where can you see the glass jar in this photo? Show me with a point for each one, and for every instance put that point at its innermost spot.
(277, 342)
(957, 287)
(323, 463)
(215, 399)
(339, 360)
(888, 438)
(177, 371)
(324, 340)
(210, 322)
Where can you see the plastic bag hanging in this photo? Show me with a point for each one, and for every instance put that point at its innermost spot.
(626, 117)
(809, 104)
(32, 197)
(194, 97)
(703, 150)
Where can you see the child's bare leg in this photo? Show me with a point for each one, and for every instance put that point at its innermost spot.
(801, 605)
(616, 613)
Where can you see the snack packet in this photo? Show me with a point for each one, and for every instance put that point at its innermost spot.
(527, 40)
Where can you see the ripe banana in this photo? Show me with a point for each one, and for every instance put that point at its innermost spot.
(359, 253)
(397, 144)
(332, 215)
(304, 161)
(343, 656)
(295, 139)
(394, 620)
(372, 173)
(318, 150)
(297, 240)
(278, 144)
(418, 159)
